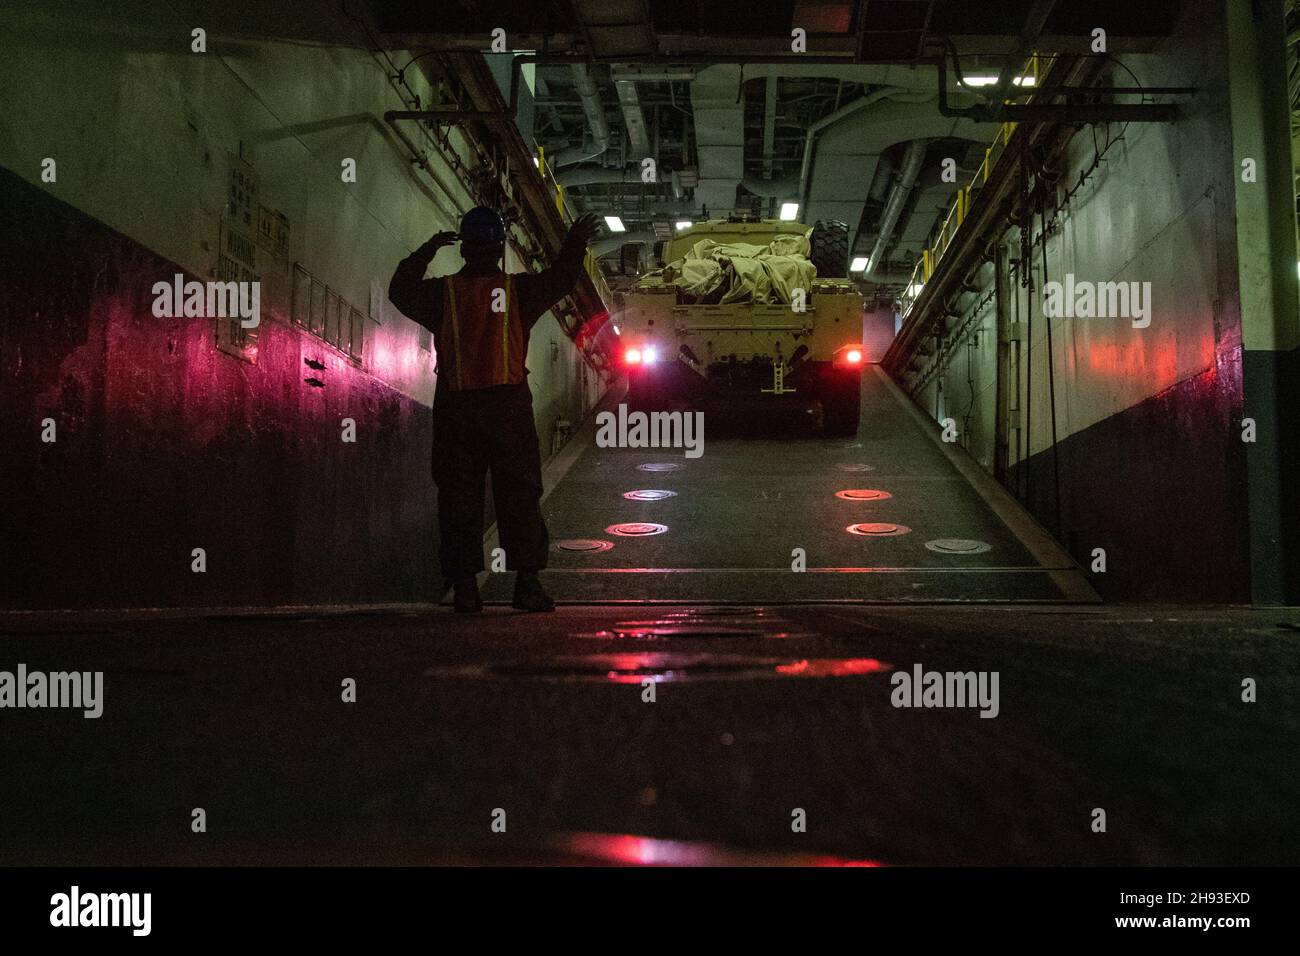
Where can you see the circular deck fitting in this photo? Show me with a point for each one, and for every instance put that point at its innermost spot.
(854, 467)
(863, 494)
(659, 467)
(636, 529)
(882, 529)
(958, 546)
(649, 494)
(584, 545)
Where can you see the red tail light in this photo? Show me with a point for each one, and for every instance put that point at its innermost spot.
(850, 357)
(632, 356)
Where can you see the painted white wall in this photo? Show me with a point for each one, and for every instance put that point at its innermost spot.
(141, 129)
(1157, 210)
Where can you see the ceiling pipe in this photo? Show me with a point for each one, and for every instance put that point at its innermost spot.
(591, 105)
(912, 161)
(810, 141)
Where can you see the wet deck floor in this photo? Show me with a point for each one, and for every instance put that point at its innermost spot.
(758, 713)
(737, 514)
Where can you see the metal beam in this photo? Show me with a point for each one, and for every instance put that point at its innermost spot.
(1000, 112)
(1089, 113)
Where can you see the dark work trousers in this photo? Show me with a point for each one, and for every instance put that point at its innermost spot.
(477, 431)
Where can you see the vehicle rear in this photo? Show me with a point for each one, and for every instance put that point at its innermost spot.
(780, 330)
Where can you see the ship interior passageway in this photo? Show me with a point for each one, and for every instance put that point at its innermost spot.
(880, 339)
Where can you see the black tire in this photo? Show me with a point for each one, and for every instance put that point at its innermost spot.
(841, 398)
(830, 248)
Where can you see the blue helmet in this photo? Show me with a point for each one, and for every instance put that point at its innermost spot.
(482, 224)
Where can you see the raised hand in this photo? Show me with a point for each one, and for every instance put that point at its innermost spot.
(442, 239)
(584, 229)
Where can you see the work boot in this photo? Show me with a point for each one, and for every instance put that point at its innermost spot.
(529, 595)
(466, 597)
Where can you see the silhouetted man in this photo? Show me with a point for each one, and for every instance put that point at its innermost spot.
(480, 318)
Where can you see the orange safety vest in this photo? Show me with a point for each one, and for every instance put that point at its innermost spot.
(480, 347)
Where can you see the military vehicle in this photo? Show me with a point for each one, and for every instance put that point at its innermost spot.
(748, 308)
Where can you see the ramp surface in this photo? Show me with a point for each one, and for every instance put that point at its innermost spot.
(740, 511)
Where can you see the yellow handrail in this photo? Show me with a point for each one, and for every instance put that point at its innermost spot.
(1036, 67)
(590, 263)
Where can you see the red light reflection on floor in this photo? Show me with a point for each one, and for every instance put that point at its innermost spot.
(628, 850)
(833, 667)
(663, 668)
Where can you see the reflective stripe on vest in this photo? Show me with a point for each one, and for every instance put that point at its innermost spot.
(455, 332)
(473, 344)
(505, 335)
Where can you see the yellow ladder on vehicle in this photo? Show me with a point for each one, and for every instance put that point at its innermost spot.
(778, 381)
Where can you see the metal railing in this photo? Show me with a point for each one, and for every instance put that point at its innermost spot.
(591, 265)
(1036, 69)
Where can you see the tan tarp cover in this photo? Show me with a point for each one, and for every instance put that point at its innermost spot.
(741, 272)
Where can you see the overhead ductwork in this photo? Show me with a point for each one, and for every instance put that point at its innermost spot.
(841, 114)
(719, 112)
(840, 154)
(596, 124)
(912, 161)
(719, 116)
(633, 119)
(847, 153)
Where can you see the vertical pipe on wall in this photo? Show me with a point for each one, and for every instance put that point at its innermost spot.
(1002, 378)
(1051, 378)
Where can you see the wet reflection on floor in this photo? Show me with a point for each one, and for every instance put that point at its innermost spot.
(636, 668)
(629, 850)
